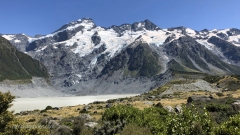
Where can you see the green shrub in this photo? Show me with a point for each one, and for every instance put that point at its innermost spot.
(214, 107)
(43, 111)
(230, 101)
(190, 122)
(122, 112)
(48, 108)
(152, 118)
(9, 125)
(134, 129)
(78, 125)
(230, 127)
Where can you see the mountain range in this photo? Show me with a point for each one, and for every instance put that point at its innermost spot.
(83, 58)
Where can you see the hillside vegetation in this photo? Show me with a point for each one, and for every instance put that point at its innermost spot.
(15, 65)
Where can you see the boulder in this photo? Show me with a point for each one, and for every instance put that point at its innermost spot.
(45, 121)
(236, 102)
(53, 124)
(152, 97)
(178, 109)
(169, 108)
(85, 116)
(159, 105)
(87, 107)
(23, 113)
(198, 98)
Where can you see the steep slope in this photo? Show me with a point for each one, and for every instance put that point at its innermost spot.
(17, 65)
(136, 61)
(229, 50)
(22, 75)
(196, 57)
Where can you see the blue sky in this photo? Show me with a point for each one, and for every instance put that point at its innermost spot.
(45, 16)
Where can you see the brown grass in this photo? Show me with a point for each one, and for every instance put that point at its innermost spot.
(72, 111)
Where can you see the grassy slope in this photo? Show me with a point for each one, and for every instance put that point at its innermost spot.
(14, 63)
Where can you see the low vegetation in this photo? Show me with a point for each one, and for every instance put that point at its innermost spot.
(217, 113)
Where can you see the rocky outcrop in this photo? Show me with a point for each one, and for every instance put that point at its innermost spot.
(198, 98)
(229, 50)
(96, 39)
(110, 128)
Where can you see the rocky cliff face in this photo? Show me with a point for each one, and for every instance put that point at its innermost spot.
(84, 58)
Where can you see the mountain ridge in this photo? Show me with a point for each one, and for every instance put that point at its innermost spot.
(82, 52)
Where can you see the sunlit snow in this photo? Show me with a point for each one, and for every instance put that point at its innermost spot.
(17, 41)
(9, 37)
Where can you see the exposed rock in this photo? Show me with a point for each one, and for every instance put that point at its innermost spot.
(236, 102)
(169, 108)
(159, 105)
(178, 109)
(53, 124)
(229, 50)
(85, 116)
(23, 113)
(96, 39)
(110, 128)
(121, 59)
(91, 124)
(148, 103)
(198, 98)
(87, 107)
(45, 121)
(152, 97)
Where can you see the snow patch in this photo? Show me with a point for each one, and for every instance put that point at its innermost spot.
(190, 32)
(234, 40)
(17, 41)
(93, 62)
(9, 37)
(224, 31)
(79, 76)
(209, 46)
(155, 37)
(139, 24)
(87, 25)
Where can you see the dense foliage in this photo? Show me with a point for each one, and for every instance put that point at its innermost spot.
(191, 121)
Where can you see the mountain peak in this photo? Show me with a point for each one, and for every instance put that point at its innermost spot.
(182, 28)
(146, 24)
(136, 26)
(84, 22)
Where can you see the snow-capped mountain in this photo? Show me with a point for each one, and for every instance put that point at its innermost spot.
(84, 58)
